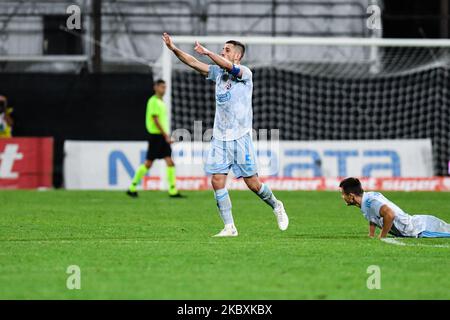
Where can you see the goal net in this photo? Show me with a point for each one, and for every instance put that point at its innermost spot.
(330, 89)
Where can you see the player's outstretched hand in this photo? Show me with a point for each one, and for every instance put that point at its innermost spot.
(168, 41)
(200, 49)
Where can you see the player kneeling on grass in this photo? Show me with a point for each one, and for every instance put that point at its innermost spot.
(231, 145)
(384, 214)
(158, 143)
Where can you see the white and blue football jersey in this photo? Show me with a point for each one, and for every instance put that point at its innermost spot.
(234, 115)
(404, 224)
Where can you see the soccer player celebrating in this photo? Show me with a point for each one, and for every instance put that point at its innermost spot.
(384, 214)
(231, 145)
(159, 141)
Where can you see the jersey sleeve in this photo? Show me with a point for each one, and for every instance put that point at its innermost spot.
(213, 72)
(376, 205)
(246, 73)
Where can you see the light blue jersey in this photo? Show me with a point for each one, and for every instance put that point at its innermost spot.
(234, 115)
(404, 224)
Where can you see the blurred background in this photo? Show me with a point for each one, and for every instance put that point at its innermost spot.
(90, 82)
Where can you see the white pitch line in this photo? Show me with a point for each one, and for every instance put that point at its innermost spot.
(400, 243)
(393, 241)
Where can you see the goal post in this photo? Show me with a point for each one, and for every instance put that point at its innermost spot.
(318, 88)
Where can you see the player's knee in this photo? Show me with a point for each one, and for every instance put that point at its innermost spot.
(170, 162)
(148, 163)
(218, 182)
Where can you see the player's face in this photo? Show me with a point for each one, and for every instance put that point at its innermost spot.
(230, 53)
(160, 89)
(348, 198)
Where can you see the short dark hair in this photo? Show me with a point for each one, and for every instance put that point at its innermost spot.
(238, 44)
(159, 81)
(351, 185)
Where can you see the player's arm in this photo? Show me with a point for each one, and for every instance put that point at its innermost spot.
(388, 220)
(158, 125)
(372, 228)
(219, 60)
(184, 57)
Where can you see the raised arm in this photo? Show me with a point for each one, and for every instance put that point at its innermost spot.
(217, 59)
(185, 57)
(388, 220)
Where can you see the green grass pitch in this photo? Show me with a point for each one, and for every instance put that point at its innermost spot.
(154, 247)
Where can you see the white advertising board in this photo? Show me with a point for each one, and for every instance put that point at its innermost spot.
(111, 164)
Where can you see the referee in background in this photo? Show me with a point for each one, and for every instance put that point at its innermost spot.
(159, 142)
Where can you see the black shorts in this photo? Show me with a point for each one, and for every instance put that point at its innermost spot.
(158, 147)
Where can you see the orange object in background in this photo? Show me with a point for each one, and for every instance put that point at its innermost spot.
(26, 163)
